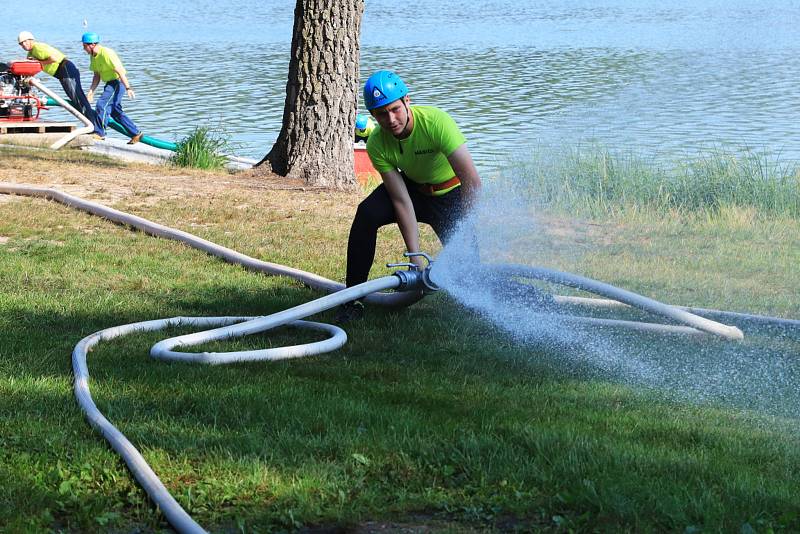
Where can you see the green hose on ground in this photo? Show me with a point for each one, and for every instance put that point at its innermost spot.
(146, 139)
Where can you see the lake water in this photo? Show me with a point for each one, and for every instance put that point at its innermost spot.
(662, 79)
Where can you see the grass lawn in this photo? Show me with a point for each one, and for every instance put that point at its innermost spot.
(429, 419)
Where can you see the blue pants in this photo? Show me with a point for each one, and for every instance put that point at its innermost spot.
(110, 105)
(70, 78)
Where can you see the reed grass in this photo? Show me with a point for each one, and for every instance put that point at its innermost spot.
(202, 149)
(594, 180)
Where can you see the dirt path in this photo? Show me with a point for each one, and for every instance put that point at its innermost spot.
(110, 182)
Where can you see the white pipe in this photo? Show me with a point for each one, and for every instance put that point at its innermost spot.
(87, 129)
(244, 162)
(622, 295)
(706, 312)
(312, 280)
(630, 325)
(140, 469)
(163, 349)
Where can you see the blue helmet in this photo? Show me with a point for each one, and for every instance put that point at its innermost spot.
(90, 38)
(383, 87)
(361, 121)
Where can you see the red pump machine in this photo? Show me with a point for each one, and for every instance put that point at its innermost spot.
(18, 101)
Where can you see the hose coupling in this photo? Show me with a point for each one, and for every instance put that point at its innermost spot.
(414, 278)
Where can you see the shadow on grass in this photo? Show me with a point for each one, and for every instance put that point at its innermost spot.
(424, 409)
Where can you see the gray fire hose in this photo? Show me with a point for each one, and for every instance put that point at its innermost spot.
(722, 315)
(622, 295)
(231, 256)
(87, 128)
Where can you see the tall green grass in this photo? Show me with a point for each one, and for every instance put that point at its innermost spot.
(202, 149)
(595, 180)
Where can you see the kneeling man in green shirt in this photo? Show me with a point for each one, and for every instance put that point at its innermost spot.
(428, 176)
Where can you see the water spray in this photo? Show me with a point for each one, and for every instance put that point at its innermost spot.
(699, 324)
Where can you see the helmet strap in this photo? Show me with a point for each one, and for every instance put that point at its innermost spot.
(408, 114)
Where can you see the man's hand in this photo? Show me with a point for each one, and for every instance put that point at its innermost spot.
(131, 94)
(419, 261)
(90, 95)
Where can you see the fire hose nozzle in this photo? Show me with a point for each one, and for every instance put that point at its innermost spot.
(415, 278)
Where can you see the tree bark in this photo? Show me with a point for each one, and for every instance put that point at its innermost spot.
(316, 139)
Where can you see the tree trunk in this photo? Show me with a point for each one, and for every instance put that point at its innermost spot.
(316, 140)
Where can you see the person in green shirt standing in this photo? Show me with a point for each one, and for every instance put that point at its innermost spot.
(428, 176)
(107, 66)
(56, 64)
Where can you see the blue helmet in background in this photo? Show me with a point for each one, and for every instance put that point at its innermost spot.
(90, 38)
(383, 87)
(361, 121)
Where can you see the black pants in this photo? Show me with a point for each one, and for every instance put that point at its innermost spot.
(70, 78)
(442, 213)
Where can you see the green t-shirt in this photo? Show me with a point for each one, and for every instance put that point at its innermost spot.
(105, 62)
(42, 51)
(422, 156)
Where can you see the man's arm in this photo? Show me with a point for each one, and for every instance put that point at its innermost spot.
(124, 80)
(404, 211)
(46, 61)
(462, 164)
(90, 92)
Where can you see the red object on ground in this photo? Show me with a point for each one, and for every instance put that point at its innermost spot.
(25, 68)
(23, 108)
(363, 166)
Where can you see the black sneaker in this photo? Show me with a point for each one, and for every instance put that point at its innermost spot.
(349, 311)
